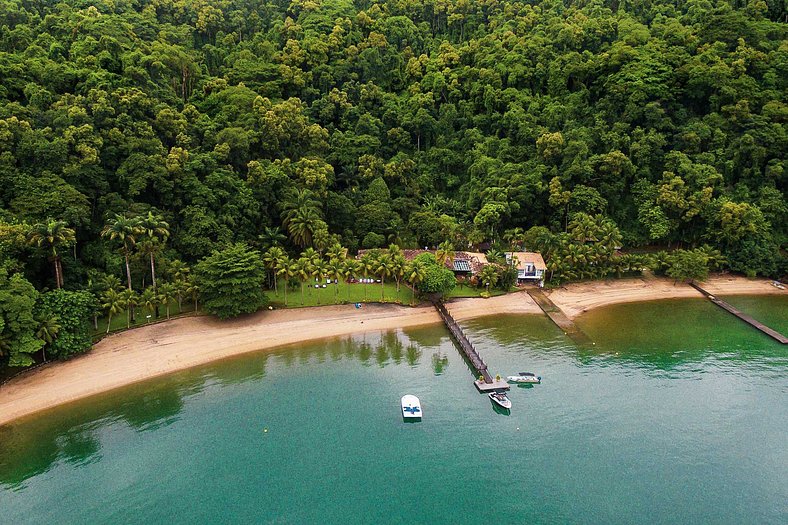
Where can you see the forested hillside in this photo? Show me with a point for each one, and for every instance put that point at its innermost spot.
(369, 123)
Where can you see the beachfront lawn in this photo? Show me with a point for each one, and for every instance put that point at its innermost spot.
(119, 321)
(347, 293)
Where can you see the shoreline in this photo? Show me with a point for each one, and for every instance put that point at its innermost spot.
(161, 349)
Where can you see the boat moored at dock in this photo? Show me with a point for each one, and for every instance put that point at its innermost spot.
(500, 399)
(525, 377)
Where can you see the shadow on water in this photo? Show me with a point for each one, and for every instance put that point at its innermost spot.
(34, 445)
(439, 363)
(501, 411)
(57, 435)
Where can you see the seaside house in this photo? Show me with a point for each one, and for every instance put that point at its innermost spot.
(530, 266)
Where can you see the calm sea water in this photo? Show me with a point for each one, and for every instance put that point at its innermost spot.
(677, 414)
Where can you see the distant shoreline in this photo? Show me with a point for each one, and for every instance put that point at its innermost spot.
(151, 351)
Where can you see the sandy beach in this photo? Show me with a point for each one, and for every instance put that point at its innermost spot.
(576, 298)
(160, 349)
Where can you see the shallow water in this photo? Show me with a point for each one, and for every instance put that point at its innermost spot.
(677, 414)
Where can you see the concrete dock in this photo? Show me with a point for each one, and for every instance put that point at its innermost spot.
(558, 316)
(774, 334)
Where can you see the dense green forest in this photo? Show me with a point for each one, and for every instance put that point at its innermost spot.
(136, 133)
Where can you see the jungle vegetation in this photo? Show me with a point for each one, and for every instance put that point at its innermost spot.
(142, 138)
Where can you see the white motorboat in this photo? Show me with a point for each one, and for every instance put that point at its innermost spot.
(500, 399)
(525, 377)
(411, 406)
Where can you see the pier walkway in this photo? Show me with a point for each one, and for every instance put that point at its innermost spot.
(558, 316)
(744, 317)
(469, 351)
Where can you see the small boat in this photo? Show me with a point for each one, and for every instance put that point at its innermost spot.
(525, 377)
(500, 399)
(411, 406)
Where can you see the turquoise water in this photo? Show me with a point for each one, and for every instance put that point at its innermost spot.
(678, 414)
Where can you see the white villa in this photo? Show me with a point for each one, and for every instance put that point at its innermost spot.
(530, 266)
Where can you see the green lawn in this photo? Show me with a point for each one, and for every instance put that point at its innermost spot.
(348, 293)
(119, 321)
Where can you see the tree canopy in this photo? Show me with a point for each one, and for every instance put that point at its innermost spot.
(231, 281)
(138, 133)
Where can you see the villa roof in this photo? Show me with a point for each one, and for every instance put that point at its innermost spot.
(525, 258)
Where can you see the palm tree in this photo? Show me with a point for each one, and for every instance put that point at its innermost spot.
(179, 270)
(302, 225)
(609, 236)
(271, 237)
(514, 237)
(336, 270)
(398, 263)
(383, 268)
(166, 295)
(149, 301)
(130, 301)
(156, 232)
(351, 270)
(445, 253)
(193, 289)
(495, 256)
(113, 303)
(271, 260)
(489, 276)
(583, 228)
(415, 272)
(394, 250)
(284, 268)
(48, 330)
(124, 230)
(297, 199)
(49, 236)
(367, 263)
(303, 270)
(111, 282)
(336, 251)
(181, 288)
(319, 270)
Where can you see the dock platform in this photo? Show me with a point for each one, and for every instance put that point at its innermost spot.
(491, 387)
(774, 334)
(558, 316)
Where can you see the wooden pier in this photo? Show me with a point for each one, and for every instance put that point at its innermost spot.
(744, 317)
(558, 316)
(475, 360)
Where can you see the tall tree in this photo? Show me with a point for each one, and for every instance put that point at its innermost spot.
(231, 280)
(125, 231)
(113, 303)
(48, 330)
(155, 232)
(51, 235)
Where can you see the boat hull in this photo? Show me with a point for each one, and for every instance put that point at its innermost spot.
(503, 403)
(522, 379)
(411, 407)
